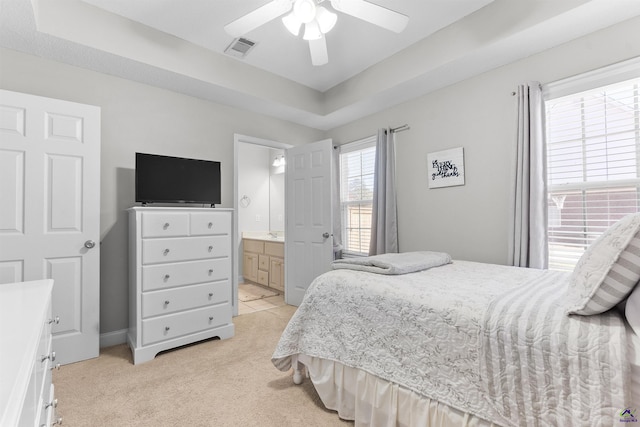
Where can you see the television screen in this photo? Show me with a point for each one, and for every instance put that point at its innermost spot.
(164, 179)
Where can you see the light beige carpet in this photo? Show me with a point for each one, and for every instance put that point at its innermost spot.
(214, 383)
(250, 292)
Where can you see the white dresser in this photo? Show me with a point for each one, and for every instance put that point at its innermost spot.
(180, 278)
(26, 357)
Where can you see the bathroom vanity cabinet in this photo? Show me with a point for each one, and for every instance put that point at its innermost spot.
(263, 262)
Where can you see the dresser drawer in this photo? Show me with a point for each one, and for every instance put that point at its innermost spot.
(204, 223)
(179, 324)
(48, 415)
(162, 276)
(42, 371)
(183, 249)
(185, 298)
(164, 224)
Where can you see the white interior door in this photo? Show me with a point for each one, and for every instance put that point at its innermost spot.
(50, 211)
(308, 228)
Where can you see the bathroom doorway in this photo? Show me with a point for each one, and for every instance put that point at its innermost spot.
(259, 203)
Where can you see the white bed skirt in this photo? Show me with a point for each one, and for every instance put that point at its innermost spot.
(371, 401)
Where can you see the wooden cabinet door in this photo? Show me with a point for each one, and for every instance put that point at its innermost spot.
(250, 263)
(276, 273)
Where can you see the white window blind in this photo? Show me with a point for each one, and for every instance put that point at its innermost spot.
(356, 195)
(593, 151)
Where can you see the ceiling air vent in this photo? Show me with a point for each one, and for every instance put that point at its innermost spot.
(240, 47)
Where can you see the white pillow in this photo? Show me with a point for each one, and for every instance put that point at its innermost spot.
(632, 310)
(608, 270)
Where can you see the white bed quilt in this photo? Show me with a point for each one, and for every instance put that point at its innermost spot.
(424, 331)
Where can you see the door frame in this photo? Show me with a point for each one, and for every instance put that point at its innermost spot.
(237, 140)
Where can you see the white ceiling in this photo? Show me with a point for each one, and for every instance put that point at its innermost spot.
(353, 45)
(178, 45)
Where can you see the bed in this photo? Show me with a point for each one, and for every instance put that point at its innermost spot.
(447, 342)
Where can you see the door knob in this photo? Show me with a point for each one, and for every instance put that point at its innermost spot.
(326, 235)
(89, 244)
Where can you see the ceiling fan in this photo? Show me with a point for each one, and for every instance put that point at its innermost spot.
(317, 20)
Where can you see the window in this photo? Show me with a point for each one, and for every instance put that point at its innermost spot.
(593, 167)
(356, 194)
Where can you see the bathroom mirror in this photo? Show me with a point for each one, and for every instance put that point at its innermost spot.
(276, 192)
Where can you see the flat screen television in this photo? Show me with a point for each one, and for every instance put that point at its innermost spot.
(165, 179)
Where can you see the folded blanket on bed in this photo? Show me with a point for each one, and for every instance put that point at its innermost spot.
(406, 262)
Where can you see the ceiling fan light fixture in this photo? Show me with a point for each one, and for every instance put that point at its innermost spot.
(312, 31)
(305, 10)
(292, 23)
(326, 19)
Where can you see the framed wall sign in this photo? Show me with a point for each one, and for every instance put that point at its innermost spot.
(446, 168)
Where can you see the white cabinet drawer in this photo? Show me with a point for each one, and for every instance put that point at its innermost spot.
(48, 415)
(42, 370)
(185, 298)
(184, 248)
(274, 249)
(263, 277)
(263, 262)
(162, 276)
(206, 223)
(165, 224)
(179, 324)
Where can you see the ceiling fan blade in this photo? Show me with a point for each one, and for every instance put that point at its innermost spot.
(378, 15)
(258, 17)
(318, 49)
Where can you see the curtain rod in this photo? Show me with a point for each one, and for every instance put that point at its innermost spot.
(400, 128)
(394, 130)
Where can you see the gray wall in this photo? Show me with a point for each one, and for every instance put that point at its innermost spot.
(138, 117)
(470, 221)
(478, 114)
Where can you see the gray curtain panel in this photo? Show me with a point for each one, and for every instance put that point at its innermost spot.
(528, 203)
(384, 220)
(337, 211)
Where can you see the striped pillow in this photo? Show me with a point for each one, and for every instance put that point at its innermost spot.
(608, 270)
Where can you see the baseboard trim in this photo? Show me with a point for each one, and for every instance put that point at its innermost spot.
(109, 339)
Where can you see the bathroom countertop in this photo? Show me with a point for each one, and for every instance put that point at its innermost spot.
(263, 235)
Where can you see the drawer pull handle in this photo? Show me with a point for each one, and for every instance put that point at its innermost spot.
(210, 294)
(58, 421)
(56, 367)
(55, 320)
(166, 328)
(210, 248)
(53, 403)
(167, 302)
(166, 252)
(210, 271)
(166, 277)
(210, 318)
(166, 225)
(51, 357)
(210, 225)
